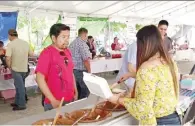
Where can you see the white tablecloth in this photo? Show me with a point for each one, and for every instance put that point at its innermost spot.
(9, 84)
(105, 65)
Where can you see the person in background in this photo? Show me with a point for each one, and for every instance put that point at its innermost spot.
(2, 50)
(116, 45)
(128, 69)
(54, 71)
(17, 53)
(81, 59)
(163, 26)
(91, 44)
(156, 92)
(2, 54)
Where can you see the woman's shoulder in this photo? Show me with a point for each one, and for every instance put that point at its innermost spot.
(151, 66)
(148, 65)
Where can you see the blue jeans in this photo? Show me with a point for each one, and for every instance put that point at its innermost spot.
(172, 119)
(19, 84)
(48, 107)
(83, 91)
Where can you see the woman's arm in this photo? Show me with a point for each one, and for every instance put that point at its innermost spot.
(141, 107)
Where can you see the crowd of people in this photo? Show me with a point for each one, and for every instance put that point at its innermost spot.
(147, 68)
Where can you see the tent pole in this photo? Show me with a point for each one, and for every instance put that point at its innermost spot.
(109, 35)
(36, 7)
(29, 27)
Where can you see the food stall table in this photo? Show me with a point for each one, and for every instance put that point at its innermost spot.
(7, 88)
(100, 65)
(80, 104)
(117, 118)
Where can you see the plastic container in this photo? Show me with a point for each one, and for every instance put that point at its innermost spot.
(188, 84)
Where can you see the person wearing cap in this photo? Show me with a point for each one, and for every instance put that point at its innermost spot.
(17, 53)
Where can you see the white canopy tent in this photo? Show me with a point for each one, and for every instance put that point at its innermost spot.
(135, 11)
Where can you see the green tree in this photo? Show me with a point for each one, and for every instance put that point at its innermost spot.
(22, 22)
(37, 23)
(138, 26)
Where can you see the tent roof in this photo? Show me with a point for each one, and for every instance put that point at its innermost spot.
(149, 10)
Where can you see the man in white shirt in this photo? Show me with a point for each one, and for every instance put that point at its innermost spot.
(128, 69)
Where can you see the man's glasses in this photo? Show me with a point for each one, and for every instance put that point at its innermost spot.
(65, 58)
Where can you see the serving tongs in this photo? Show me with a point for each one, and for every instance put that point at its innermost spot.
(127, 89)
(85, 115)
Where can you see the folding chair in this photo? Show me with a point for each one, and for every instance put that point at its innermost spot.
(192, 70)
(190, 114)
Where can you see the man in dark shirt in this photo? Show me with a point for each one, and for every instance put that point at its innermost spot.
(163, 26)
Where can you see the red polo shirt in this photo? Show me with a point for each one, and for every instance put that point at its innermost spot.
(58, 74)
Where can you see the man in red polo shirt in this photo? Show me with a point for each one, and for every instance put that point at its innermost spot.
(54, 71)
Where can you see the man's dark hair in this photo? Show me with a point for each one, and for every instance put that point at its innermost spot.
(1, 44)
(90, 37)
(57, 28)
(115, 38)
(82, 30)
(163, 22)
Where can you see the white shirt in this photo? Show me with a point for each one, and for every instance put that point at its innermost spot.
(129, 57)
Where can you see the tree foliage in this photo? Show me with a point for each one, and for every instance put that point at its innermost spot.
(37, 24)
(138, 26)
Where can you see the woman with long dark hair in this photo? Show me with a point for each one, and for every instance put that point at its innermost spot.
(156, 91)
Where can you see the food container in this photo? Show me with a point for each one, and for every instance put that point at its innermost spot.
(108, 106)
(60, 121)
(93, 116)
(116, 56)
(188, 84)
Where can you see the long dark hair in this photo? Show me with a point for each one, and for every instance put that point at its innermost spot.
(149, 43)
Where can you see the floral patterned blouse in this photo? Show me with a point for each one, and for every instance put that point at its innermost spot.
(155, 96)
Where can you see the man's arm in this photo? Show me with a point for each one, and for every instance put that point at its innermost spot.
(86, 56)
(40, 79)
(131, 73)
(75, 87)
(131, 58)
(8, 61)
(8, 55)
(30, 52)
(132, 70)
(87, 65)
(42, 71)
